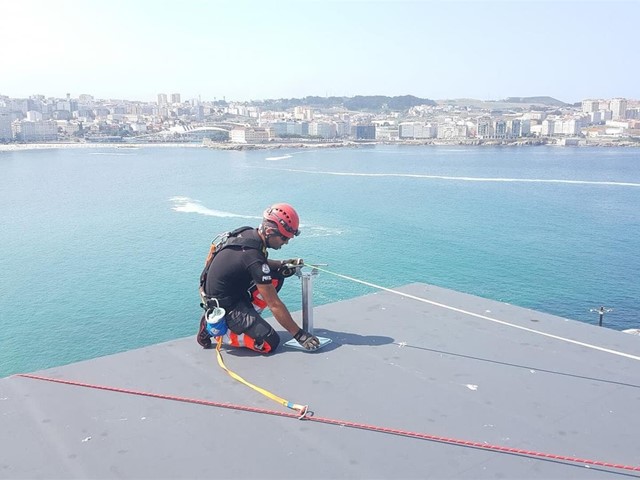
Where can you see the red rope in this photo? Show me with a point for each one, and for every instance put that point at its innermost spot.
(342, 423)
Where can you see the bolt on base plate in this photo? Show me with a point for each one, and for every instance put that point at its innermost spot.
(294, 344)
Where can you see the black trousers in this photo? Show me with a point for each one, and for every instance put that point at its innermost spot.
(249, 329)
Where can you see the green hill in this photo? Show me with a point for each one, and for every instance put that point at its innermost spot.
(550, 101)
(359, 102)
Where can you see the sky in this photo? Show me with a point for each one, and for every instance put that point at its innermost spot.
(242, 50)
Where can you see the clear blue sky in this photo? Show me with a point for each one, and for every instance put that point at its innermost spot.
(243, 50)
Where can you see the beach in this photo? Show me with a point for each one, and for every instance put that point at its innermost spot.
(470, 142)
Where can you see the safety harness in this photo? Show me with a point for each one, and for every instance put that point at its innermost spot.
(219, 243)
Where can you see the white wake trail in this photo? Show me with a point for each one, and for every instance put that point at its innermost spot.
(188, 205)
(466, 179)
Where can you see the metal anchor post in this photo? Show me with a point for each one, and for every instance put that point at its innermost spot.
(601, 311)
(307, 299)
(307, 308)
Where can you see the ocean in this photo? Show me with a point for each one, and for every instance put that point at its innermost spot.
(101, 248)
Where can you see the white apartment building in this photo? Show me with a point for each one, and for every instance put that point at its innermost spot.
(618, 108)
(514, 128)
(138, 127)
(604, 105)
(68, 127)
(548, 127)
(589, 106)
(500, 128)
(536, 130)
(243, 110)
(387, 132)
(596, 117)
(618, 124)
(322, 129)
(568, 126)
(303, 113)
(249, 135)
(36, 131)
(600, 116)
(417, 130)
(535, 116)
(560, 126)
(342, 128)
(484, 127)
(451, 130)
(34, 116)
(5, 127)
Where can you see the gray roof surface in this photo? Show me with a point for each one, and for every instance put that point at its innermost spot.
(393, 362)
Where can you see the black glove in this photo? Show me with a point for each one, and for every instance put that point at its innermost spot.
(292, 262)
(288, 267)
(308, 341)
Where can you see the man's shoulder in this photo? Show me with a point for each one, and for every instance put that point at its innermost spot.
(249, 239)
(246, 232)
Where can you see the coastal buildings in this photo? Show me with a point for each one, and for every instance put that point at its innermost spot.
(169, 118)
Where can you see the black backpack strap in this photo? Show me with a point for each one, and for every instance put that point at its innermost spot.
(243, 242)
(239, 230)
(235, 240)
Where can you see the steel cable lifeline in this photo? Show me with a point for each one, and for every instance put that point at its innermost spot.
(484, 317)
(343, 423)
(303, 410)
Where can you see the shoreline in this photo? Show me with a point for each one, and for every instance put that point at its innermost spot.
(17, 147)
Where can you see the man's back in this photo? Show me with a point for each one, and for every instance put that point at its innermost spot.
(233, 270)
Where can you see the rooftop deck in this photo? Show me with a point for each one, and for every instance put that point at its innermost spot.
(427, 372)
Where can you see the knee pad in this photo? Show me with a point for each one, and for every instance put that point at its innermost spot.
(273, 340)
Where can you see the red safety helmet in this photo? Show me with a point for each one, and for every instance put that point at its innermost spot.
(285, 217)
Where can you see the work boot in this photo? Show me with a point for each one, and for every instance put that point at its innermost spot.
(204, 339)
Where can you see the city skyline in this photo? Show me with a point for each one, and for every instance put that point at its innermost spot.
(247, 50)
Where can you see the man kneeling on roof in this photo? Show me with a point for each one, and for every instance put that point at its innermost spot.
(240, 279)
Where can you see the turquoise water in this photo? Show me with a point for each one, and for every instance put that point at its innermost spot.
(101, 249)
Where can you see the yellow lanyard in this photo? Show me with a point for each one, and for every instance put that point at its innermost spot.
(303, 410)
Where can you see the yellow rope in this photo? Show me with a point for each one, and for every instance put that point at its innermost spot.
(302, 409)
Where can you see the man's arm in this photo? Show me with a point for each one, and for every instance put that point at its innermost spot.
(275, 264)
(278, 264)
(279, 309)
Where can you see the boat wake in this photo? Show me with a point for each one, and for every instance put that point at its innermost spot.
(114, 154)
(289, 155)
(467, 179)
(189, 205)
